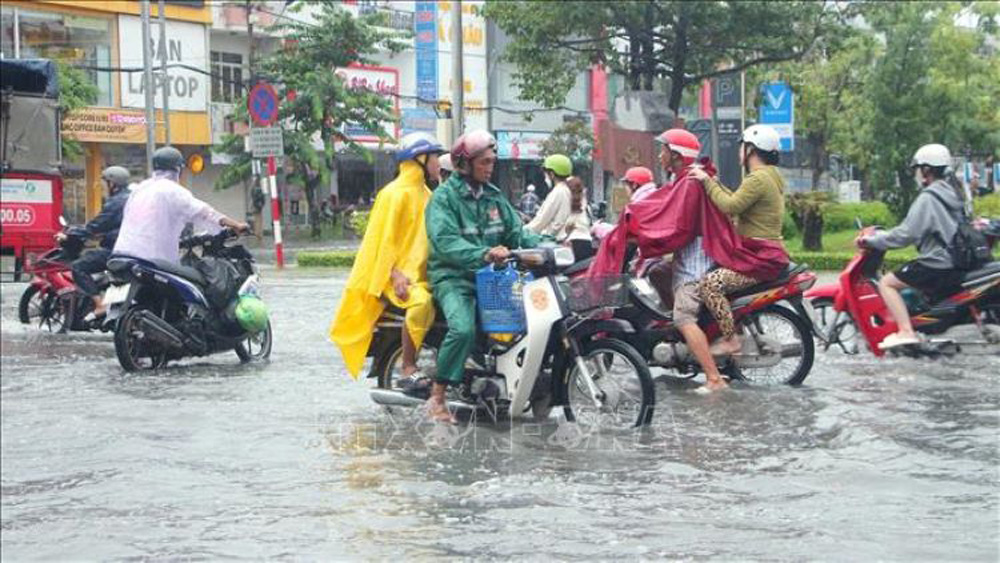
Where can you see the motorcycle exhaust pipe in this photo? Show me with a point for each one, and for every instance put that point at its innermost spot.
(160, 331)
(394, 398)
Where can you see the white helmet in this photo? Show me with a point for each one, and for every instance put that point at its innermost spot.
(763, 137)
(445, 161)
(932, 155)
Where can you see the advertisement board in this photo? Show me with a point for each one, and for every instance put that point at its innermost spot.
(185, 45)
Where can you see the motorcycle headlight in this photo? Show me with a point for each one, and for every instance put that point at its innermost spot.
(563, 256)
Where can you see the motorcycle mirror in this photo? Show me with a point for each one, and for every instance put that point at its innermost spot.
(62, 221)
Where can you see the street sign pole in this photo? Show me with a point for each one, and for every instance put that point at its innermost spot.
(279, 251)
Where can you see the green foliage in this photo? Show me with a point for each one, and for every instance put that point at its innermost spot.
(574, 139)
(837, 261)
(841, 216)
(359, 222)
(326, 259)
(788, 228)
(316, 102)
(75, 91)
(988, 206)
(552, 42)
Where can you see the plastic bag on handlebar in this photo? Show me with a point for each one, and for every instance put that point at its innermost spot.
(222, 280)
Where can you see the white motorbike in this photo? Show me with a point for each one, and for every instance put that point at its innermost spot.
(557, 346)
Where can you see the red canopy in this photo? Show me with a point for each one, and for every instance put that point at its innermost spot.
(672, 217)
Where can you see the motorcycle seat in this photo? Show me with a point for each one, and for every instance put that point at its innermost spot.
(974, 276)
(790, 271)
(185, 272)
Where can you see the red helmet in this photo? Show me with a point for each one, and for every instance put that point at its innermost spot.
(638, 175)
(472, 144)
(682, 142)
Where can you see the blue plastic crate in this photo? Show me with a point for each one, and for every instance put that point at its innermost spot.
(499, 300)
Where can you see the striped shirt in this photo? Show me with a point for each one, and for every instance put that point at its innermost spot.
(691, 264)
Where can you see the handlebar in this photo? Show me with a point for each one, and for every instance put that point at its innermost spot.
(216, 239)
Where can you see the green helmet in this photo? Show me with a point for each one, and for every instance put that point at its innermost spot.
(559, 164)
(251, 313)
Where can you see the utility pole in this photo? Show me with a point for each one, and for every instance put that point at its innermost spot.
(457, 72)
(147, 65)
(164, 79)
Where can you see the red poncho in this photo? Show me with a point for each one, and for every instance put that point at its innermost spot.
(672, 217)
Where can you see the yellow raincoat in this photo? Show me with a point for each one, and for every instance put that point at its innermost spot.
(396, 238)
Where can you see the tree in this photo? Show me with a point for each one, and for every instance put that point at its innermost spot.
(316, 102)
(807, 211)
(75, 91)
(574, 139)
(685, 42)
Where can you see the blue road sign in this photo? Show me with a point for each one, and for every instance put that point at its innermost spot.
(777, 109)
(262, 103)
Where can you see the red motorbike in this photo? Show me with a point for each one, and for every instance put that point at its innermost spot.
(851, 313)
(52, 300)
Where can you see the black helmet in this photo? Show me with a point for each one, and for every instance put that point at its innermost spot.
(168, 158)
(116, 176)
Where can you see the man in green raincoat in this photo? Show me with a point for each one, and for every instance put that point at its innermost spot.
(470, 223)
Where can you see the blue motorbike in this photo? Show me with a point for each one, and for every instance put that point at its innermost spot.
(163, 311)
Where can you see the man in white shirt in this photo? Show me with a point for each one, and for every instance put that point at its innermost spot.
(159, 208)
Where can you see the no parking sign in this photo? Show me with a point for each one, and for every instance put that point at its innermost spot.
(262, 103)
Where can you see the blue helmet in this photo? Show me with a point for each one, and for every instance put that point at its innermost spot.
(416, 144)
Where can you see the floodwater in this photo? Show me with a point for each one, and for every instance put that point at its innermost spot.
(890, 460)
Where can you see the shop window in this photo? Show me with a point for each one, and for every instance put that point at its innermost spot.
(227, 76)
(67, 38)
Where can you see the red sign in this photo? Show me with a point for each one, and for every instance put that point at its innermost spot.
(262, 103)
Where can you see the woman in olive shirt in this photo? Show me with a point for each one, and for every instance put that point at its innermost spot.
(758, 206)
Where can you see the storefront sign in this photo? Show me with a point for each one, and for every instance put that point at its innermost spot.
(105, 125)
(425, 30)
(520, 145)
(185, 45)
(382, 80)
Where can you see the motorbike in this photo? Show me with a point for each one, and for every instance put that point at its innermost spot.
(563, 352)
(52, 299)
(853, 315)
(776, 322)
(164, 311)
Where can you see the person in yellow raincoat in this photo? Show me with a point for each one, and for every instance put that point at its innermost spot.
(392, 260)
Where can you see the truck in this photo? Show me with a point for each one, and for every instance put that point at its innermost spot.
(31, 181)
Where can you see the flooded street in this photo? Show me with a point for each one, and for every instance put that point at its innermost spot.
(891, 460)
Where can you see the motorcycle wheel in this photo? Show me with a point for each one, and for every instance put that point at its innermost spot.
(257, 347)
(622, 378)
(788, 328)
(53, 314)
(131, 352)
(847, 334)
(388, 366)
(30, 306)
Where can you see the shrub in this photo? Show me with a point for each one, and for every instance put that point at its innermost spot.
(988, 206)
(837, 261)
(841, 216)
(326, 259)
(788, 228)
(359, 222)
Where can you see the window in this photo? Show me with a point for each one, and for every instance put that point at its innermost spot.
(6, 33)
(66, 38)
(227, 76)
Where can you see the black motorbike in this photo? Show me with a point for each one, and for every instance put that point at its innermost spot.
(166, 311)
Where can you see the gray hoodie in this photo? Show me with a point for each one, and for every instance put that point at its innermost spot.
(926, 217)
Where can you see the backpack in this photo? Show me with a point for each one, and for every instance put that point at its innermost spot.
(968, 249)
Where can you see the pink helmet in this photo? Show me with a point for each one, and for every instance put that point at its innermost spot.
(682, 142)
(472, 144)
(638, 175)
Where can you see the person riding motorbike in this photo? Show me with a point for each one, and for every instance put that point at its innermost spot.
(640, 184)
(392, 260)
(678, 150)
(158, 210)
(469, 224)
(529, 203)
(930, 221)
(557, 206)
(758, 206)
(104, 225)
(576, 233)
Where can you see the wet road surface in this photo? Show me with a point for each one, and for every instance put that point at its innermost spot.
(892, 460)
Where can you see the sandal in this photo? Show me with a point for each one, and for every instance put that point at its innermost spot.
(894, 340)
(439, 412)
(416, 385)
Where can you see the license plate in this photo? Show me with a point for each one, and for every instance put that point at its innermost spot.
(116, 294)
